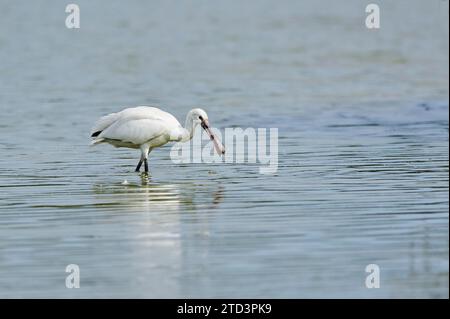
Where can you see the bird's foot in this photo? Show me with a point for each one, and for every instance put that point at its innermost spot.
(145, 178)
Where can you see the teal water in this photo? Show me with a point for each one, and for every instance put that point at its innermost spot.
(363, 150)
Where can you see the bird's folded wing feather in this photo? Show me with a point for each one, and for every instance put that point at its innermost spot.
(104, 122)
(136, 131)
(140, 112)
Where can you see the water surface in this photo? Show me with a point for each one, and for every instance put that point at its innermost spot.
(363, 150)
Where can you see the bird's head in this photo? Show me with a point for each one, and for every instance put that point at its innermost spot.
(199, 116)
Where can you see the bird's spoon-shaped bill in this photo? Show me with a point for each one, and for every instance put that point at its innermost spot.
(220, 149)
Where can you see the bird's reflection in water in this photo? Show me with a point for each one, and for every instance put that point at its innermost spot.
(217, 197)
(151, 195)
(152, 223)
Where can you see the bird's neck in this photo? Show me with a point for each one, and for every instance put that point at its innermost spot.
(189, 128)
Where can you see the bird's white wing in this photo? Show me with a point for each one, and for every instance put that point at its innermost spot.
(136, 131)
(133, 113)
(104, 122)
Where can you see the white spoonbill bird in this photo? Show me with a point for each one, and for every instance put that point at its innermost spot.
(145, 128)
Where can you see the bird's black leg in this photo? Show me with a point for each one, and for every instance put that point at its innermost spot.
(138, 167)
(146, 165)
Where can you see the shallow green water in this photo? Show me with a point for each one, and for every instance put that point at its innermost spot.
(363, 150)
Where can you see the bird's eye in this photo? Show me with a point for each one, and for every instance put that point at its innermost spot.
(200, 117)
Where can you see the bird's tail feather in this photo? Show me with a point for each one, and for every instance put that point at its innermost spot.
(97, 141)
